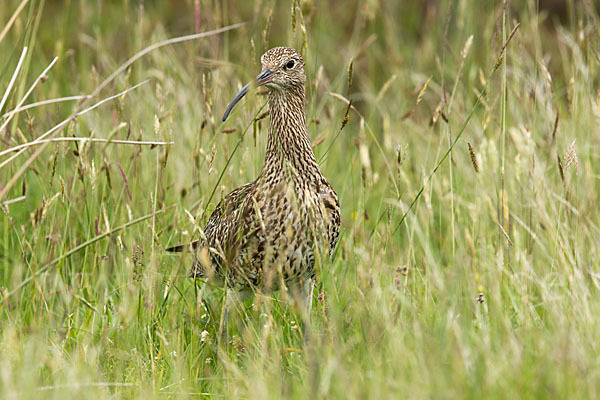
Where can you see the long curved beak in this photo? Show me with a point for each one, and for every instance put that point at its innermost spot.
(264, 77)
(235, 100)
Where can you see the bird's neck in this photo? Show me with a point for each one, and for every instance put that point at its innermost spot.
(288, 144)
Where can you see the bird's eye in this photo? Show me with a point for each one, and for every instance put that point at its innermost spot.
(290, 64)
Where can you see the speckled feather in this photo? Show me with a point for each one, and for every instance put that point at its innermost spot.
(265, 233)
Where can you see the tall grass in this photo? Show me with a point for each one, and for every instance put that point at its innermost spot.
(466, 166)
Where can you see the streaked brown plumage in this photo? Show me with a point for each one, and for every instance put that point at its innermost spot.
(265, 234)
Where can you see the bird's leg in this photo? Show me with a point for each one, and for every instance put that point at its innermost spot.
(232, 305)
(309, 286)
(229, 302)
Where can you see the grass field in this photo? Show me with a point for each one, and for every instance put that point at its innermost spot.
(468, 174)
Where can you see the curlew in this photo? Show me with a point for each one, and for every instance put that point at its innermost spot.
(264, 235)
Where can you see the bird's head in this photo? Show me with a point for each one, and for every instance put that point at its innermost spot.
(283, 69)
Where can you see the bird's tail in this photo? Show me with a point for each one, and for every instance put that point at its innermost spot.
(189, 247)
(177, 249)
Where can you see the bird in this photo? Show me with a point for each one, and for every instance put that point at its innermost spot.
(264, 235)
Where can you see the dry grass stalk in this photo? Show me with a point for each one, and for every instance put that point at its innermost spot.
(15, 200)
(13, 78)
(42, 103)
(18, 108)
(86, 139)
(505, 234)
(12, 20)
(69, 119)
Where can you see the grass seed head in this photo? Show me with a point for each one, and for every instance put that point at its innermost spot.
(473, 158)
(350, 74)
(571, 158)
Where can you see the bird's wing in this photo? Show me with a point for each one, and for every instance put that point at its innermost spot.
(223, 217)
(331, 204)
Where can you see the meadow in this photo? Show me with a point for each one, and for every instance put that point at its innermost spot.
(461, 137)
